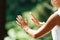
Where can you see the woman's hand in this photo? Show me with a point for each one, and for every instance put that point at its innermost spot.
(22, 22)
(24, 25)
(36, 21)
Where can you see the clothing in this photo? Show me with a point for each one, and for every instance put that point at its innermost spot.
(58, 12)
(56, 30)
(56, 33)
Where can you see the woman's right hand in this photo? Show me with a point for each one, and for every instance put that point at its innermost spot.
(21, 22)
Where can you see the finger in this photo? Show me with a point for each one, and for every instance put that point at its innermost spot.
(33, 16)
(17, 19)
(20, 18)
(18, 23)
(33, 20)
(37, 23)
(26, 21)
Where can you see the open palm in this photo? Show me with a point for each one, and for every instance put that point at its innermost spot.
(22, 22)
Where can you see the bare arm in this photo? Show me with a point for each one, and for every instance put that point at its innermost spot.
(48, 26)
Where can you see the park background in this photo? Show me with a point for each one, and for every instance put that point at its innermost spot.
(41, 9)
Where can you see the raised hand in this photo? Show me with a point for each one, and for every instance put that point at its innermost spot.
(36, 21)
(22, 22)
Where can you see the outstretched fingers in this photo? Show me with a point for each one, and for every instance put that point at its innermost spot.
(33, 17)
(21, 22)
(20, 18)
(35, 20)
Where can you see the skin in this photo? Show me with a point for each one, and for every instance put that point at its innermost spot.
(52, 21)
(55, 3)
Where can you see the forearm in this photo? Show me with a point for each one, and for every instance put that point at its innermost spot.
(48, 26)
(30, 31)
(42, 31)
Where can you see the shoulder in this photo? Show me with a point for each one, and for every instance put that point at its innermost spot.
(58, 12)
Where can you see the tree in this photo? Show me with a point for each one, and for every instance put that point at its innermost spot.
(2, 19)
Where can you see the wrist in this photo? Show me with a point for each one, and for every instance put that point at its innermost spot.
(30, 31)
(26, 29)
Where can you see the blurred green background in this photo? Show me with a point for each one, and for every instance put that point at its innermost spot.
(42, 9)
